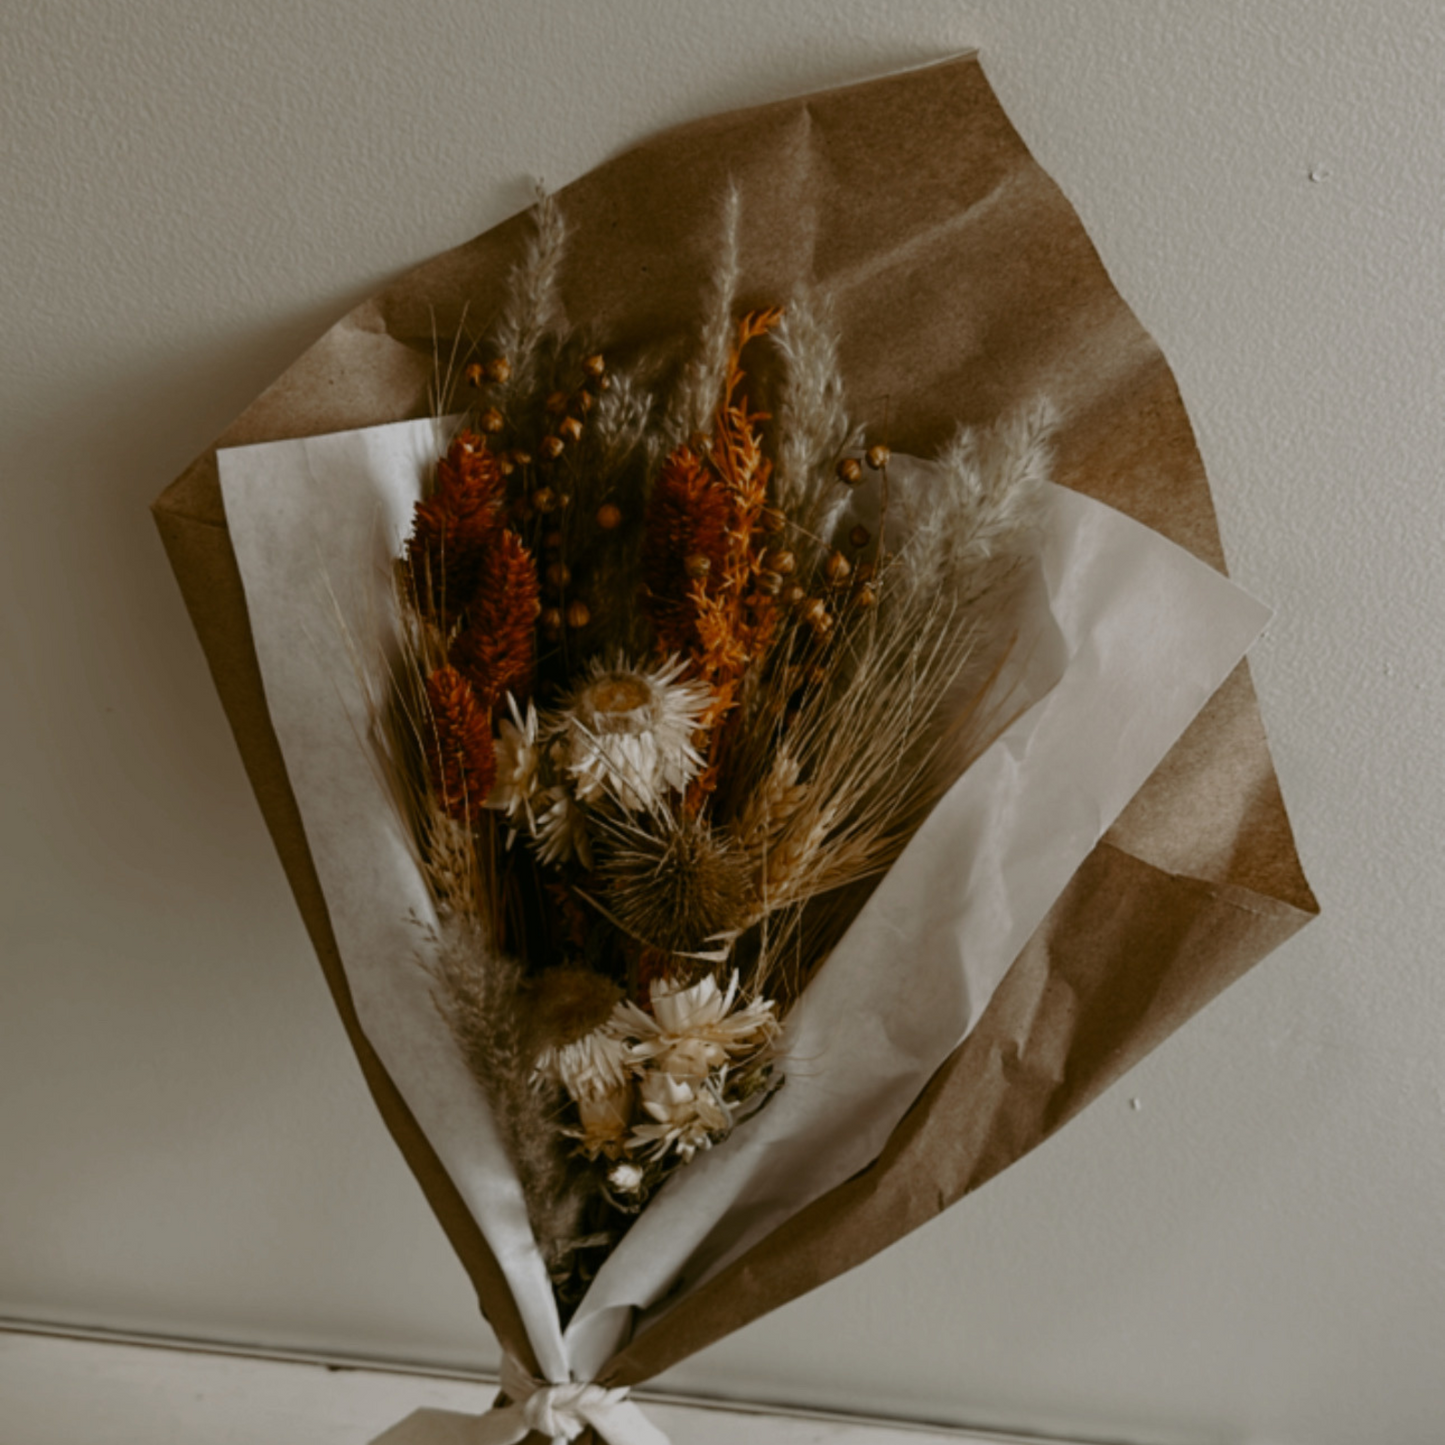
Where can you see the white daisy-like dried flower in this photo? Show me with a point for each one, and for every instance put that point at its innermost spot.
(695, 1030)
(684, 1118)
(519, 760)
(561, 828)
(628, 733)
(597, 1064)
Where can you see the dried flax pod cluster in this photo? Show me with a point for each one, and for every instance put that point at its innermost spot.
(666, 703)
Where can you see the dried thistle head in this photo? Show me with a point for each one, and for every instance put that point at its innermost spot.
(678, 885)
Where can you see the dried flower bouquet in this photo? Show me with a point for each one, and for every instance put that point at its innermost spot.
(755, 926)
(665, 706)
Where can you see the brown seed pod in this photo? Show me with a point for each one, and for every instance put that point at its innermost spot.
(816, 615)
(773, 520)
(499, 369)
(878, 457)
(491, 421)
(577, 614)
(552, 541)
(696, 565)
(837, 568)
(583, 402)
(595, 364)
(544, 499)
(570, 429)
(552, 619)
(552, 447)
(781, 561)
(564, 500)
(504, 465)
(559, 574)
(865, 571)
(476, 374)
(769, 583)
(850, 471)
(859, 536)
(609, 516)
(604, 383)
(866, 595)
(521, 458)
(556, 403)
(794, 594)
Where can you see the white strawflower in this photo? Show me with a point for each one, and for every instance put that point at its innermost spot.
(519, 758)
(694, 1030)
(628, 733)
(596, 1072)
(561, 828)
(683, 1117)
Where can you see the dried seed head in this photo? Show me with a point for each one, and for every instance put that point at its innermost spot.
(476, 374)
(837, 568)
(850, 471)
(816, 615)
(773, 520)
(564, 499)
(595, 364)
(491, 421)
(781, 561)
(609, 516)
(697, 565)
(553, 540)
(570, 429)
(794, 594)
(505, 466)
(577, 614)
(583, 402)
(559, 574)
(604, 383)
(552, 619)
(878, 457)
(544, 499)
(521, 458)
(865, 571)
(859, 536)
(556, 403)
(499, 369)
(866, 595)
(769, 583)
(552, 447)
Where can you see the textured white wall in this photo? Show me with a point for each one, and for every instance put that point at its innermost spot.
(192, 192)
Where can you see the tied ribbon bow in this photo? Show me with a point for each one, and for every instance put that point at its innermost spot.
(563, 1412)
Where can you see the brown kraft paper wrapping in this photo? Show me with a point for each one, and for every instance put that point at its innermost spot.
(963, 283)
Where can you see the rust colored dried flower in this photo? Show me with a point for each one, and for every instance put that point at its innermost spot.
(452, 528)
(687, 517)
(461, 760)
(476, 374)
(499, 370)
(496, 649)
(570, 429)
(492, 421)
(552, 447)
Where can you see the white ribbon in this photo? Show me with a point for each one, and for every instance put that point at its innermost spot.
(563, 1412)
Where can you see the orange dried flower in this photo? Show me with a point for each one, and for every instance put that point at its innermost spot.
(460, 756)
(687, 517)
(497, 648)
(453, 527)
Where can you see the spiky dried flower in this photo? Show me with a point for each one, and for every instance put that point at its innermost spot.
(453, 528)
(496, 649)
(676, 883)
(461, 763)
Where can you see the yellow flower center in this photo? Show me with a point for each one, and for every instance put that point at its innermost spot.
(619, 693)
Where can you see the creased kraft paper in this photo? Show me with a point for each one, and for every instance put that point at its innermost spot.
(964, 284)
